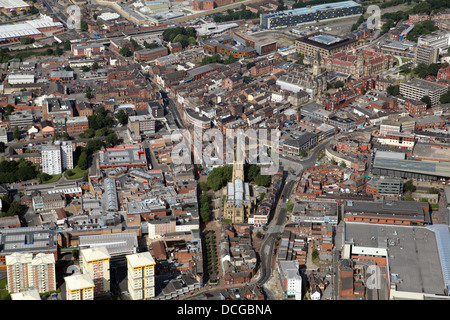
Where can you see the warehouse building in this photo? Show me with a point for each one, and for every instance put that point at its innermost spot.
(327, 11)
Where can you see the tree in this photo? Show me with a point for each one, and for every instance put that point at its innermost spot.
(111, 140)
(427, 100)
(122, 117)
(433, 191)
(393, 90)
(203, 186)
(125, 51)
(445, 98)
(9, 109)
(409, 186)
(95, 66)
(83, 161)
(205, 210)
(89, 93)
(14, 209)
(83, 25)
(343, 164)
(16, 133)
(262, 180)
(26, 40)
(303, 153)
(289, 206)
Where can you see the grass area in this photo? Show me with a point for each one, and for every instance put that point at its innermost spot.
(54, 178)
(77, 173)
(4, 293)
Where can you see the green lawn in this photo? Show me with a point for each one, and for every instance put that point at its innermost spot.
(78, 173)
(54, 178)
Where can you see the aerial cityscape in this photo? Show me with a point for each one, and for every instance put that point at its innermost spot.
(224, 150)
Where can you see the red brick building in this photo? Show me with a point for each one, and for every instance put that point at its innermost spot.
(233, 81)
(150, 54)
(415, 107)
(203, 4)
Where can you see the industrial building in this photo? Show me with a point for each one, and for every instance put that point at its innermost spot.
(327, 11)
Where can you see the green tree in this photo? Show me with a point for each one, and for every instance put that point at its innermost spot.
(16, 133)
(83, 26)
(445, 98)
(83, 161)
(9, 109)
(95, 66)
(85, 68)
(122, 117)
(111, 140)
(409, 186)
(343, 164)
(262, 180)
(303, 153)
(15, 208)
(427, 100)
(89, 93)
(125, 51)
(289, 206)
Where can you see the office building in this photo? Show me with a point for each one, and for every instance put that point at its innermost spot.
(262, 45)
(95, 262)
(438, 39)
(426, 54)
(25, 271)
(416, 89)
(51, 160)
(141, 276)
(385, 187)
(79, 287)
(141, 125)
(324, 44)
(290, 278)
(326, 11)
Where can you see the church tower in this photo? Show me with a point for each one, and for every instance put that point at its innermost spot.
(316, 64)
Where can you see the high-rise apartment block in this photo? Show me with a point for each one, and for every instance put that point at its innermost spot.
(66, 154)
(27, 272)
(79, 287)
(95, 262)
(141, 276)
(51, 160)
(55, 159)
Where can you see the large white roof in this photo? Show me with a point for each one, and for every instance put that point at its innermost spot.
(27, 28)
(11, 4)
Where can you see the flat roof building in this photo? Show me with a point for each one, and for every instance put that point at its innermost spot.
(418, 88)
(417, 257)
(126, 156)
(325, 44)
(326, 11)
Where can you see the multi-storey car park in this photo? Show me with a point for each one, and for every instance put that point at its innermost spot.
(321, 12)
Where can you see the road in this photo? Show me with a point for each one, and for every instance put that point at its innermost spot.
(170, 105)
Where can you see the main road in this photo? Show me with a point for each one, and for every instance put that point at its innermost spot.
(279, 219)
